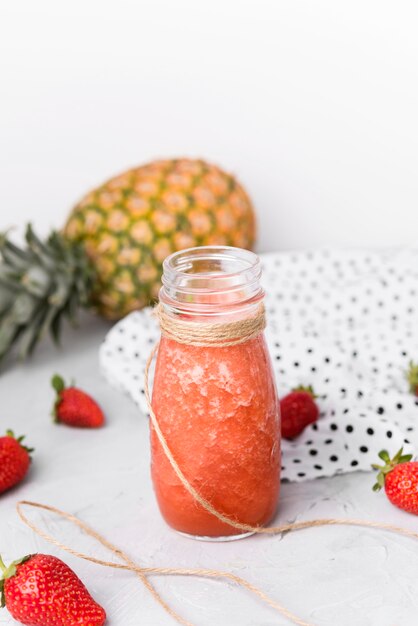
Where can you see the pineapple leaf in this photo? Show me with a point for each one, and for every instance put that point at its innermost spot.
(8, 332)
(39, 284)
(55, 329)
(13, 255)
(30, 335)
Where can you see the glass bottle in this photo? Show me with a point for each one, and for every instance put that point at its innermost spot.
(217, 406)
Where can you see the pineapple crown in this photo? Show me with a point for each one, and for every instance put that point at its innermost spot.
(388, 466)
(412, 377)
(40, 284)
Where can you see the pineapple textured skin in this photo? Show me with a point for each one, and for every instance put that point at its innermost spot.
(133, 221)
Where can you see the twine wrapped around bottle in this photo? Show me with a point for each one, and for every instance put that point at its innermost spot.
(209, 335)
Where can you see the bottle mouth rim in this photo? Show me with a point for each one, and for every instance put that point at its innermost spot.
(188, 277)
(199, 253)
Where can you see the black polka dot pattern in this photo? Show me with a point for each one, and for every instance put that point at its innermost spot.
(345, 322)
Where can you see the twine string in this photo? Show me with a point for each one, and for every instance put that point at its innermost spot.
(130, 565)
(213, 335)
(144, 572)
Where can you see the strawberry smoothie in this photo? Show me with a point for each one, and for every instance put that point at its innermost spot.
(218, 410)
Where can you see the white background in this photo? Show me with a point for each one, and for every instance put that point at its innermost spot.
(313, 105)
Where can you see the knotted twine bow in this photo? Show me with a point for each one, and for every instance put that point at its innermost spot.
(214, 335)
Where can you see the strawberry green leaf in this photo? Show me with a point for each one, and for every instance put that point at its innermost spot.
(2, 598)
(20, 439)
(308, 389)
(412, 377)
(405, 458)
(390, 464)
(58, 383)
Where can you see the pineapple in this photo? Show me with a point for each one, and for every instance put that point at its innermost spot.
(110, 252)
(131, 223)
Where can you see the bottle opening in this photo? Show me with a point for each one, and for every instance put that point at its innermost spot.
(208, 278)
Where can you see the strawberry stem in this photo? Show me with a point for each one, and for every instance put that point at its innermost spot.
(308, 389)
(10, 433)
(9, 572)
(412, 377)
(388, 466)
(2, 579)
(59, 385)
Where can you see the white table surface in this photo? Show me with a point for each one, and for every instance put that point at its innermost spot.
(328, 576)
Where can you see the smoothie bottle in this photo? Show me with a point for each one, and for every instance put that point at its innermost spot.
(216, 405)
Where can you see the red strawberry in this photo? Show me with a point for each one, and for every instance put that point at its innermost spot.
(14, 460)
(298, 409)
(75, 407)
(399, 477)
(412, 377)
(41, 590)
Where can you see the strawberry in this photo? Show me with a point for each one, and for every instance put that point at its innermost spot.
(412, 377)
(14, 460)
(41, 590)
(399, 477)
(298, 409)
(75, 407)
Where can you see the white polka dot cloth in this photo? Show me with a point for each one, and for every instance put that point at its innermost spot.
(345, 322)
